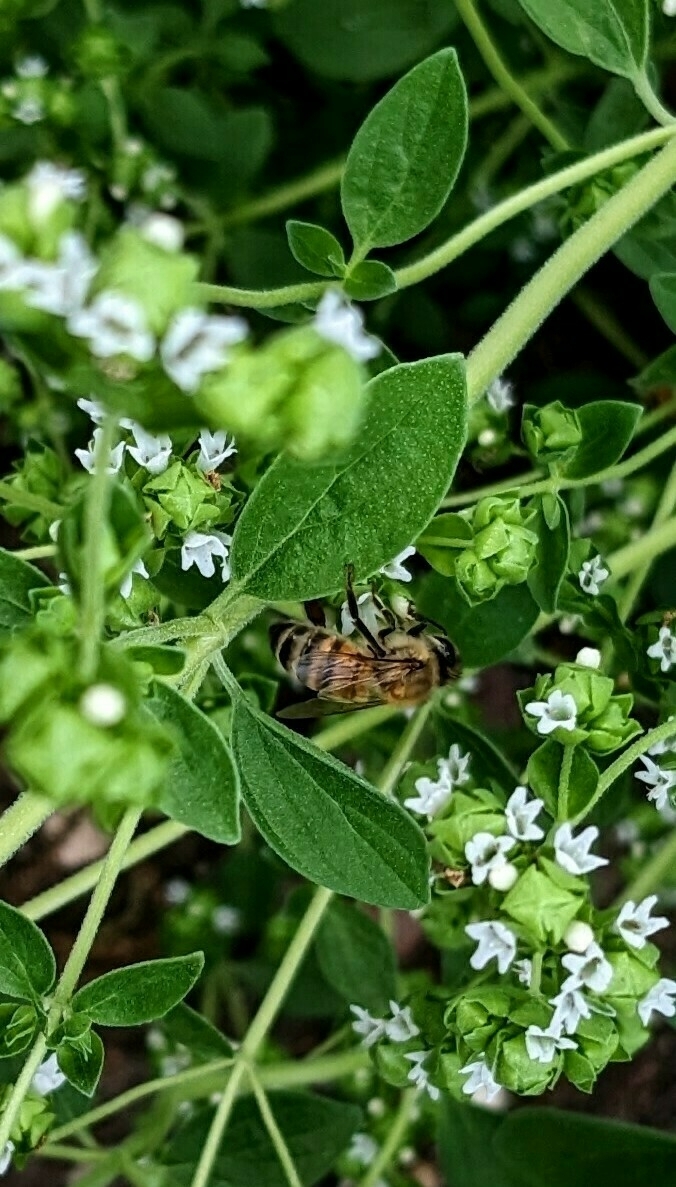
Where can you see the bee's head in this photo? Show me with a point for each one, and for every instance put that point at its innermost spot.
(448, 658)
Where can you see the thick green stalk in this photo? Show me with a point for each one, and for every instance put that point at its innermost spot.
(288, 294)
(651, 101)
(20, 821)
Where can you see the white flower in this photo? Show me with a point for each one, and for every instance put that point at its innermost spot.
(588, 657)
(664, 649)
(570, 1005)
(103, 705)
(524, 971)
(163, 230)
(214, 449)
(151, 452)
(665, 746)
(590, 970)
(669, 7)
(433, 796)
(11, 265)
(578, 936)
(592, 575)
(126, 587)
(226, 920)
(114, 324)
(340, 322)
(572, 853)
(48, 1077)
(176, 891)
(495, 942)
(61, 287)
(455, 766)
(559, 711)
(484, 852)
(64, 585)
(366, 1025)
(500, 395)
(658, 779)
(487, 437)
(521, 814)
(89, 456)
(197, 343)
(6, 1156)
(419, 1076)
(363, 1149)
(400, 1027)
(659, 999)
(94, 410)
(200, 549)
(503, 877)
(29, 110)
(635, 923)
(49, 185)
(480, 1079)
(542, 1045)
(370, 613)
(395, 569)
(32, 66)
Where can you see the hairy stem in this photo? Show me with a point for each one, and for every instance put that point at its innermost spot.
(20, 821)
(665, 508)
(651, 101)
(644, 550)
(626, 760)
(564, 780)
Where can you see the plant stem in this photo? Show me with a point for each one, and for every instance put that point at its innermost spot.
(565, 268)
(626, 760)
(39, 552)
(464, 497)
(665, 508)
(20, 821)
(526, 198)
(397, 760)
(353, 725)
(393, 1140)
(325, 177)
(651, 101)
(504, 77)
(660, 867)
(274, 1132)
(564, 780)
(642, 551)
(92, 608)
(288, 294)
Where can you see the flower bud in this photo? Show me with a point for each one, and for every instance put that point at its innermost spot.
(578, 936)
(501, 552)
(103, 705)
(551, 434)
(503, 877)
(164, 231)
(588, 657)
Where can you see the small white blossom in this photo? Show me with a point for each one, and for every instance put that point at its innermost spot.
(214, 449)
(29, 110)
(588, 657)
(6, 1156)
(524, 971)
(376, 1107)
(433, 795)
(521, 814)
(363, 1149)
(635, 923)
(500, 395)
(226, 920)
(61, 287)
(665, 746)
(542, 1045)
(664, 649)
(11, 265)
(94, 410)
(340, 322)
(503, 877)
(163, 230)
(481, 1079)
(572, 853)
(48, 1077)
(484, 852)
(176, 891)
(659, 999)
(590, 970)
(570, 1006)
(559, 711)
(88, 457)
(592, 575)
(64, 585)
(49, 185)
(197, 343)
(139, 568)
(114, 324)
(487, 437)
(371, 1029)
(658, 779)
(370, 613)
(400, 1027)
(578, 936)
(669, 7)
(395, 569)
(32, 66)
(103, 705)
(153, 453)
(200, 549)
(495, 942)
(419, 1076)
(455, 766)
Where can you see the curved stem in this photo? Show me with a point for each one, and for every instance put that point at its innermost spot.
(644, 550)
(651, 101)
(464, 498)
(394, 1139)
(20, 821)
(289, 294)
(289, 194)
(504, 77)
(665, 508)
(626, 760)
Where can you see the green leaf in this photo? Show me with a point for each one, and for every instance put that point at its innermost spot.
(607, 429)
(17, 1028)
(659, 373)
(164, 660)
(663, 289)
(315, 1129)
(140, 992)
(27, 965)
(185, 122)
(356, 957)
(347, 39)
(201, 789)
(82, 1062)
(406, 155)
(325, 821)
(369, 281)
(650, 246)
(17, 579)
(483, 634)
(204, 1042)
(543, 774)
(441, 540)
(544, 580)
(466, 1153)
(611, 33)
(303, 524)
(487, 761)
(315, 248)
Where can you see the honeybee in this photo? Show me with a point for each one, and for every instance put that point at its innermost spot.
(397, 666)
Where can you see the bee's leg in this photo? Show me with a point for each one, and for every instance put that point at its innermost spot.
(353, 607)
(419, 628)
(315, 612)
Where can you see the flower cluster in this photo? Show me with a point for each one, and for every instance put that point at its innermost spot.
(500, 547)
(576, 705)
(552, 433)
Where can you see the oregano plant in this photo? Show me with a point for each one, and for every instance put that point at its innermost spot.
(337, 592)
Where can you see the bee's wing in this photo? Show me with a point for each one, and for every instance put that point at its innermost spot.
(320, 707)
(381, 672)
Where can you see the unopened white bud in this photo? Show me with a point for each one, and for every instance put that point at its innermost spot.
(164, 231)
(578, 937)
(588, 657)
(376, 1107)
(103, 704)
(406, 1156)
(503, 877)
(487, 437)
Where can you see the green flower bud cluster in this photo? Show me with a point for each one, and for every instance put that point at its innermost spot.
(40, 473)
(181, 500)
(77, 741)
(98, 54)
(552, 433)
(576, 706)
(500, 547)
(30, 97)
(34, 1120)
(585, 199)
